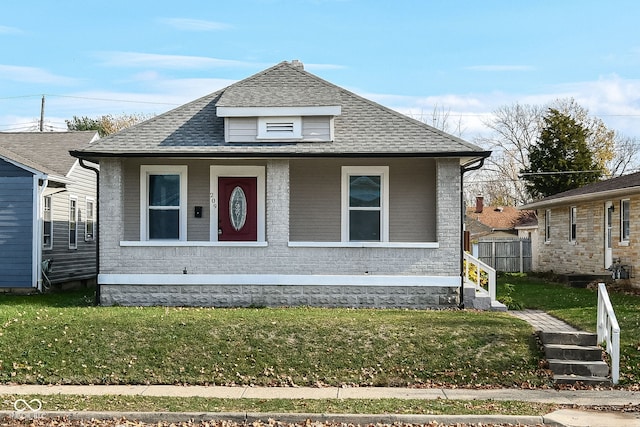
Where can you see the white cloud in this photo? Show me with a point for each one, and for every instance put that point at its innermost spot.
(32, 75)
(613, 99)
(500, 68)
(9, 30)
(187, 24)
(138, 59)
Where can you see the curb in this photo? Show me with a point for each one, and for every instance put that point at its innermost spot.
(298, 418)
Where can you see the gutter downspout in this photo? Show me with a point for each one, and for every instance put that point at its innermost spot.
(96, 232)
(464, 169)
(38, 194)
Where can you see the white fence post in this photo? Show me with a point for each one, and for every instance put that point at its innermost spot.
(608, 331)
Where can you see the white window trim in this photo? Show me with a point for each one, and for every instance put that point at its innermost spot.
(93, 218)
(257, 172)
(547, 226)
(145, 171)
(296, 127)
(50, 245)
(573, 219)
(623, 241)
(383, 172)
(75, 246)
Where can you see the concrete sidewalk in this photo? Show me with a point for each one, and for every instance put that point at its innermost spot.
(568, 397)
(575, 418)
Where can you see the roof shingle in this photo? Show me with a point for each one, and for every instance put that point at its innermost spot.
(363, 128)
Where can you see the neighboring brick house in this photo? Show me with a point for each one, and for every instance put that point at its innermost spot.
(282, 189)
(47, 210)
(592, 230)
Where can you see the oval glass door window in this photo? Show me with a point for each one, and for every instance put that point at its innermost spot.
(237, 208)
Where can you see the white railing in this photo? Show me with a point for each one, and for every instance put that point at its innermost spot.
(480, 267)
(609, 331)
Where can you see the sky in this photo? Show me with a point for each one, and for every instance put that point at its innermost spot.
(463, 58)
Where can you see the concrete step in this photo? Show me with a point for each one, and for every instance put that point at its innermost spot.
(587, 380)
(476, 300)
(595, 368)
(498, 306)
(574, 338)
(572, 352)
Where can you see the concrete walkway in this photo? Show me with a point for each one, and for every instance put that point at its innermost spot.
(542, 321)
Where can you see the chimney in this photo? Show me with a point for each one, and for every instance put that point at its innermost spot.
(479, 204)
(297, 64)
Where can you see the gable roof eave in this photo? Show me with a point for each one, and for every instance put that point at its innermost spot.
(546, 203)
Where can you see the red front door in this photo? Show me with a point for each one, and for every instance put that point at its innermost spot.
(238, 210)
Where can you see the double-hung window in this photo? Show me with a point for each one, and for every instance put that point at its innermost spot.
(625, 209)
(73, 222)
(547, 225)
(90, 220)
(163, 194)
(573, 221)
(47, 223)
(365, 204)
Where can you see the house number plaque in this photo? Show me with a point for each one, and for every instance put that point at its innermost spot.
(237, 208)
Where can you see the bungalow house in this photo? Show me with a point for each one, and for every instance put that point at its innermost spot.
(281, 189)
(592, 230)
(47, 210)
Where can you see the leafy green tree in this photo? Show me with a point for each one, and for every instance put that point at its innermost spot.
(106, 124)
(561, 159)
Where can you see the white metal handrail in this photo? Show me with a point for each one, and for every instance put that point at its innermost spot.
(480, 267)
(609, 331)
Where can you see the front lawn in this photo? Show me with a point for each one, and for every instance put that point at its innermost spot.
(63, 339)
(578, 307)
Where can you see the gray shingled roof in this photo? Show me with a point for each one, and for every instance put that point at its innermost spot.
(364, 127)
(623, 184)
(46, 152)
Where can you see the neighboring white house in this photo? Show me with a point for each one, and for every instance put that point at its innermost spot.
(281, 189)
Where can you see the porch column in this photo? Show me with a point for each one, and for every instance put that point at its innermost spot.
(449, 214)
(111, 215)
(278, 203)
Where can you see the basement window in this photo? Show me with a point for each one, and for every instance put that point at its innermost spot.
(279, 128)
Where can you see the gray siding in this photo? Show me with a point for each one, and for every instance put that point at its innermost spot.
(315, 200)
(16, 231)
(245, 129)
(316, 205)
(80, 263)
(10, 170)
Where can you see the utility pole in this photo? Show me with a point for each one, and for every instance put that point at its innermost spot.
(42, 115)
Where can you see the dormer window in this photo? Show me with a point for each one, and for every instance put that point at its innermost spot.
(279, 128)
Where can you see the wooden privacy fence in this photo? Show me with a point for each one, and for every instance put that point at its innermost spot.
(507, 255)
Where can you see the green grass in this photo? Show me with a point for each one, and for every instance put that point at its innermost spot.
(578, 307)
(315, 406)
(63, 339)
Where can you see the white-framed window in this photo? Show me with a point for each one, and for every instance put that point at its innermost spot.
(90, 220)
(47, 223)
(163, 202)
(625, 212)
(73, 222)
(547, 225)
(573, 223)
(279, 127)
(365, 203)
